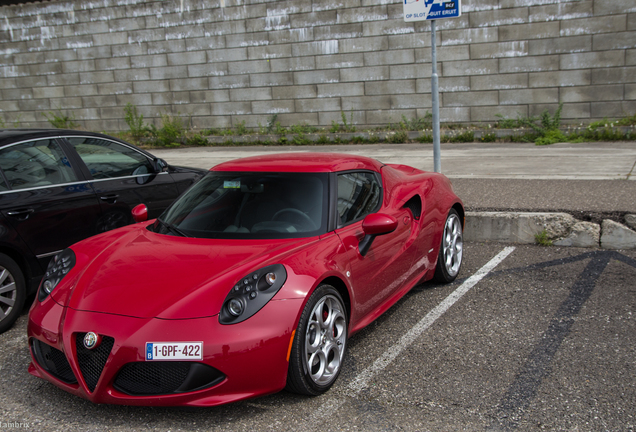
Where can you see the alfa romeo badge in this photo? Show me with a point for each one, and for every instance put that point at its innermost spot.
(91, 340)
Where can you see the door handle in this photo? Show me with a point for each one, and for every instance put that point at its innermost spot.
(111, 199)
(21, 214)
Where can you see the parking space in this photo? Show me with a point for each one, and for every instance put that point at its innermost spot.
(546, 339)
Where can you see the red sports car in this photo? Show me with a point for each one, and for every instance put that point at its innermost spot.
(251, 282)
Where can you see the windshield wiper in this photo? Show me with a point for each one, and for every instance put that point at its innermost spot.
(172, 228)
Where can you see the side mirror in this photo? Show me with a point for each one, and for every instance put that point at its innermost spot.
(374, 225)
(142, 175)
(140, 213)
(160, 165)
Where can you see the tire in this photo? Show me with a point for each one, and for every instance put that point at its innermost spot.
(449, 259)
(319, 344)
(12, 292)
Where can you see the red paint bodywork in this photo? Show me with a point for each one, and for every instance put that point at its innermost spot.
(378, 224)
(138, 286)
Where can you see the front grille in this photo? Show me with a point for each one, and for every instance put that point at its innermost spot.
(167, 377)
(91, 362)
(53, 361)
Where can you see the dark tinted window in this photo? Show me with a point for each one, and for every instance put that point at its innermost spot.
(108, 159)
(359, 194)
(3, 184)
(34, 164)
(251, 206)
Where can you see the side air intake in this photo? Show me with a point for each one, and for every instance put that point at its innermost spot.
(415, 205)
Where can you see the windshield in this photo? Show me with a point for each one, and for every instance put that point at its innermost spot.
(249, 205)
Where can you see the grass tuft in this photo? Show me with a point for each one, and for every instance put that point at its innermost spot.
(542, 238)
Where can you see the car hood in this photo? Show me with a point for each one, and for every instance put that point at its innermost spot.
(143, 274)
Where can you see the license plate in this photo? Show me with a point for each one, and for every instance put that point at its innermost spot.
(174, 351)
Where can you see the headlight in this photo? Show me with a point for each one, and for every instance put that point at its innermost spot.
(251, 293)
(58, 267)
(235, 307)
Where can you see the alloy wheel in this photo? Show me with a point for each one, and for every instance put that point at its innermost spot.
(8, 293)
(325, 340)
(452, 245)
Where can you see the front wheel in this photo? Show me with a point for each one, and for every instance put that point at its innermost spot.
(12, 292)
(319, 344)
(449, 259)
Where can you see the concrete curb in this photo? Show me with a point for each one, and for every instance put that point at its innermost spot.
(561, 229)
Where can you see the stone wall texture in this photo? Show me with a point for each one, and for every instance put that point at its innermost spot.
(222, 62)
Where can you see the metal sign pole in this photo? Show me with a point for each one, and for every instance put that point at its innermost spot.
(429, 10)
(437, 160)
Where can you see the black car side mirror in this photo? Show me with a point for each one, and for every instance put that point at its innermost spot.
(374, 225)
(160, 165)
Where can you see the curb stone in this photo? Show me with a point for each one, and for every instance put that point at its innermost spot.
(562, 228)
(583, 234)
(516, 227)
(617, 236)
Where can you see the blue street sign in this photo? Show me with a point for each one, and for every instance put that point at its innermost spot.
(422, 10)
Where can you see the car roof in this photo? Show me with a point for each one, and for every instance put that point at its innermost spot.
(8, 136)
(301, 162)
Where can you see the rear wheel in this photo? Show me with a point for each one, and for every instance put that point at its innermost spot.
(319, 344)
(12, 292)
(449, 259)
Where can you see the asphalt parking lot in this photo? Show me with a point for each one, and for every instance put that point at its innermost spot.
(545, 340)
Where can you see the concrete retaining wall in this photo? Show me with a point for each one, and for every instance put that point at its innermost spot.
(221, 62)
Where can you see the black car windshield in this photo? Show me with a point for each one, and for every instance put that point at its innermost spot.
(250, 205)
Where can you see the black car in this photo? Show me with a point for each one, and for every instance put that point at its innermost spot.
(58, 187)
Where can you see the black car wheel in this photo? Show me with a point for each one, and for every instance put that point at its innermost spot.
(319, 344)
(12, 292)
(449, 259)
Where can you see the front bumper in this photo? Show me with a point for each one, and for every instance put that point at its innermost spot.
(239, 361)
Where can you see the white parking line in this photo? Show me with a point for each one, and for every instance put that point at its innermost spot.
(363, 379)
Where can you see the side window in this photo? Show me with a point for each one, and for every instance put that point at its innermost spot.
(108, 159)
(359, 194)
(35, 163)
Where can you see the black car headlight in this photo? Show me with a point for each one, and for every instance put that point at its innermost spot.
(59, 266)
(251, 293)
